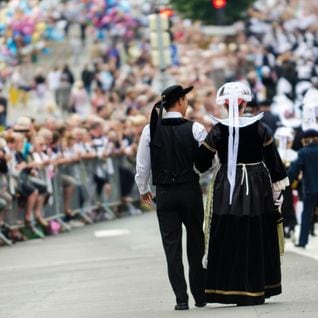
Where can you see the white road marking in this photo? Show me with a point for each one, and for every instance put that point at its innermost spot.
(111, 233)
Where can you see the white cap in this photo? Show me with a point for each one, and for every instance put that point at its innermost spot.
(287, 132)
(228, 90)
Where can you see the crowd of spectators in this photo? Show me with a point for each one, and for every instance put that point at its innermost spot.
(27, 27)
(33, 154)
(274, 51)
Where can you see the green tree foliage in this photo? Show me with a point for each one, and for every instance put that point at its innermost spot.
(203, 10)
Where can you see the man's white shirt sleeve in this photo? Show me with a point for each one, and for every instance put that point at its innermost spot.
(199, 132)
(143, 162)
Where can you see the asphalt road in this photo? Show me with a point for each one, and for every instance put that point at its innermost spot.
(116, 269)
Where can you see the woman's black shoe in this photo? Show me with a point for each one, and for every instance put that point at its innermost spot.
(200, 304)
(181, 306)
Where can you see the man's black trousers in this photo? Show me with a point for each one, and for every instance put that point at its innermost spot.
(176, 205)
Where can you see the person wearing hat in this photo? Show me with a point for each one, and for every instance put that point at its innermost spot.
(166, 151)
(242, 251)
(307, 164)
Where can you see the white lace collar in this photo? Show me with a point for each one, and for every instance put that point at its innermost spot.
(243, 121)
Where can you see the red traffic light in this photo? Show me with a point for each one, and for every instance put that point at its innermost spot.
(218, 4)
(168, 12)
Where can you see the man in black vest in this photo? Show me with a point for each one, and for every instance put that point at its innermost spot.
(166, 150)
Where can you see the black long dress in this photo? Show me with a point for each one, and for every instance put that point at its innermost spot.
(243, 251)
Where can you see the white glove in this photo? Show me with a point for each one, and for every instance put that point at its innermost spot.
(276, 195)
(278, 200)
(205, 261)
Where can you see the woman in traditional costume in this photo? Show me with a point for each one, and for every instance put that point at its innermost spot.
(242, 242)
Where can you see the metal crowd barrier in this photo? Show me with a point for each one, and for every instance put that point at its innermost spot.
(84, 199)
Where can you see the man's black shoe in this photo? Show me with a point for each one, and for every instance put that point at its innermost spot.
(200, 304)
(300, 245)
(181, 306)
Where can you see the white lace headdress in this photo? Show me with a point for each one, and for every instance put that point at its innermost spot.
(310, 112)
(230, 93)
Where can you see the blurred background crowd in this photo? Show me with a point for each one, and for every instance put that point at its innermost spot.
(77, 83)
